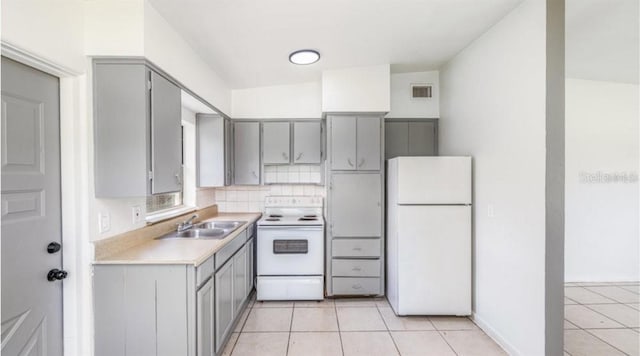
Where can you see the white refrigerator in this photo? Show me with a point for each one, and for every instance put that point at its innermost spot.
(429, 235)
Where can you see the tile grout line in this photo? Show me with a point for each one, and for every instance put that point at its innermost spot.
(387, 327)
(293, 307)
(335, 308)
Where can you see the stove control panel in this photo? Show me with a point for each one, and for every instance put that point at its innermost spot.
(293, 201)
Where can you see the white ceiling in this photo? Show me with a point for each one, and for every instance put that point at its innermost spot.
(248, 41)
(602, 40)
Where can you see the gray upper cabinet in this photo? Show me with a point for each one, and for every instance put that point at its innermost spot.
(307, 144)
(355, 205)
(355, 143)
(368, 143)
(166, 135)
(343, 143)
(246, 150)
(415, 137)
(212, 164)
(275, 143)
(138, 140)
(228, 152)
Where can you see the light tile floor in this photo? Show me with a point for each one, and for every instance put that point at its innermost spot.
(352, 327)
(602, 319)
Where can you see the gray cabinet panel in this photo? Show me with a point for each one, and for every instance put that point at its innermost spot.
(250, 266)
(422, 139)
(356, 248)
(355, 205)
(246, 150)
(210, 151)
(121, 126)
(109, 304)
(356, 286)
(205, 319)
(368, 143)
(166, 135)
(239, 279)
(396, 139)
(172, 317)
(275, 143)
(307, 144)
(356, 268)
(228, 152)
(343, 145)
(223, 303)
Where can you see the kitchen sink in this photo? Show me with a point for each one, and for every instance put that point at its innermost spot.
(227, 225)
(213, 230)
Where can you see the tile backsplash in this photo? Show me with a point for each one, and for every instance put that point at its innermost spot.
(242, 199)
(293, 174)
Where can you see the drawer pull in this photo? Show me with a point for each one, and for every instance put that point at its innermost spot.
(356, 286)
(357, 269)
(357, 248)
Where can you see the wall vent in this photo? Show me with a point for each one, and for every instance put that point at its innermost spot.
(421, 91)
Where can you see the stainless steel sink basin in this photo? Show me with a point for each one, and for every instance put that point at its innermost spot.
(213, 230)
(227, 225)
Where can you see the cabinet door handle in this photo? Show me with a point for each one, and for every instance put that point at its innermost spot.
(299, 156)
(361, 163)
(285, 156)
(356, 286)
(254, 174)
(178, 180)
(349, 161)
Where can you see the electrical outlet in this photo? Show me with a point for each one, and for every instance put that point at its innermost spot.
(136, 214)
(490, 211)
(104, 222)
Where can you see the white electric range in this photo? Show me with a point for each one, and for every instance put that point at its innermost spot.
(290, 249)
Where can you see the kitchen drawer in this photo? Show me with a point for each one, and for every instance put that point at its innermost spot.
(356, 286)
(230, 249)
(355, 268)
(204, 271)
(355, 247)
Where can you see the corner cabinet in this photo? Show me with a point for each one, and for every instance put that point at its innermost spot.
(213, 150)
(355, 206)
(246, 151)
(137, 130)
(170, 310)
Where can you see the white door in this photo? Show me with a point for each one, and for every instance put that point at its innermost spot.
(434, 260)
(31, 213)
(432, 180)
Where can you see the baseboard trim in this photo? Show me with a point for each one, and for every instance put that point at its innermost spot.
(496, 336)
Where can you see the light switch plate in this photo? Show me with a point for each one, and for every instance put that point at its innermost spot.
(104, 222)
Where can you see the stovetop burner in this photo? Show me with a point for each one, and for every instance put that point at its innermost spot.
(308, 218)
(275, 216)
(272, 219)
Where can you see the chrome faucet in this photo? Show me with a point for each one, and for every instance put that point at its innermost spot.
(187, 224)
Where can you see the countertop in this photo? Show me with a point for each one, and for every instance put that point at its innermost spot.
(179, 251)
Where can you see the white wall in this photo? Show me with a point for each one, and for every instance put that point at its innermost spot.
(601, 217)
(114, 27)
(493, 108)
(404, 106)
(166, 48)
(360, 89)
(42, 26)
(295, 101)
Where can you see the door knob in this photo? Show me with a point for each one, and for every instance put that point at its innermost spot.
(56, 274)
(53, 247)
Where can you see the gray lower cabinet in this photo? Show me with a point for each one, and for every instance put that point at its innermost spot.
(276, 147)
(170, 310)
(137, 118)
(224, 303)
(415, 137)
(246, 151)
(250, 263)
(205, 306)
(355, 204)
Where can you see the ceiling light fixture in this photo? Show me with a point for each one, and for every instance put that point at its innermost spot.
(304, 57)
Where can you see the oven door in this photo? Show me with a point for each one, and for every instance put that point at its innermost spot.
(290, 251)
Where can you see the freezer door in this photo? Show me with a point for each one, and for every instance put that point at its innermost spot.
(433, 180)
(433, 260)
